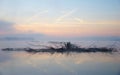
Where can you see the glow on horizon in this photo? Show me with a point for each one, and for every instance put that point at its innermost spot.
(68, 29)
(62, 17)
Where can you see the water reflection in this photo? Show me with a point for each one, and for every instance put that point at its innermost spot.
(23, 63)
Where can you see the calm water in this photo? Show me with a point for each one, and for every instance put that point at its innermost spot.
(23, 63)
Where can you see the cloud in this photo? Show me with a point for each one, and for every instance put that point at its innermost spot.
(7, 29)
(6, 26)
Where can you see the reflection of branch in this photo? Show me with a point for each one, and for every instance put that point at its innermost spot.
(93, 43)
(39, 45)
(113, 45)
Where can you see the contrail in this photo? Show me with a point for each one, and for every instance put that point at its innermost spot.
(36, 15)
(33, 16)
(65, 15)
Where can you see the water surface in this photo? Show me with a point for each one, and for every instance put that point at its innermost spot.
(23, 63)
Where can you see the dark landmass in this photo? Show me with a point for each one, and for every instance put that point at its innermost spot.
(16, 38)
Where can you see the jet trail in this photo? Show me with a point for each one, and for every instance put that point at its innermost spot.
(65, 15)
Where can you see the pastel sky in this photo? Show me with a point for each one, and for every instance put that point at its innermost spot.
(60, 17)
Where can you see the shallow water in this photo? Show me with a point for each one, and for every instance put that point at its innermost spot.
(23, 63)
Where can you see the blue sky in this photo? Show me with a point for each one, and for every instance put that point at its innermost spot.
(108, 9)
(60, 17)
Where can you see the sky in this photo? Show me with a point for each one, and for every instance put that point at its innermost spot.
(60, 18)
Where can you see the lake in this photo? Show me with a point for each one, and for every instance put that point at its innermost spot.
(23, 63)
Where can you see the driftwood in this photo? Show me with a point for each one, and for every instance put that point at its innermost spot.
(64, 47)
